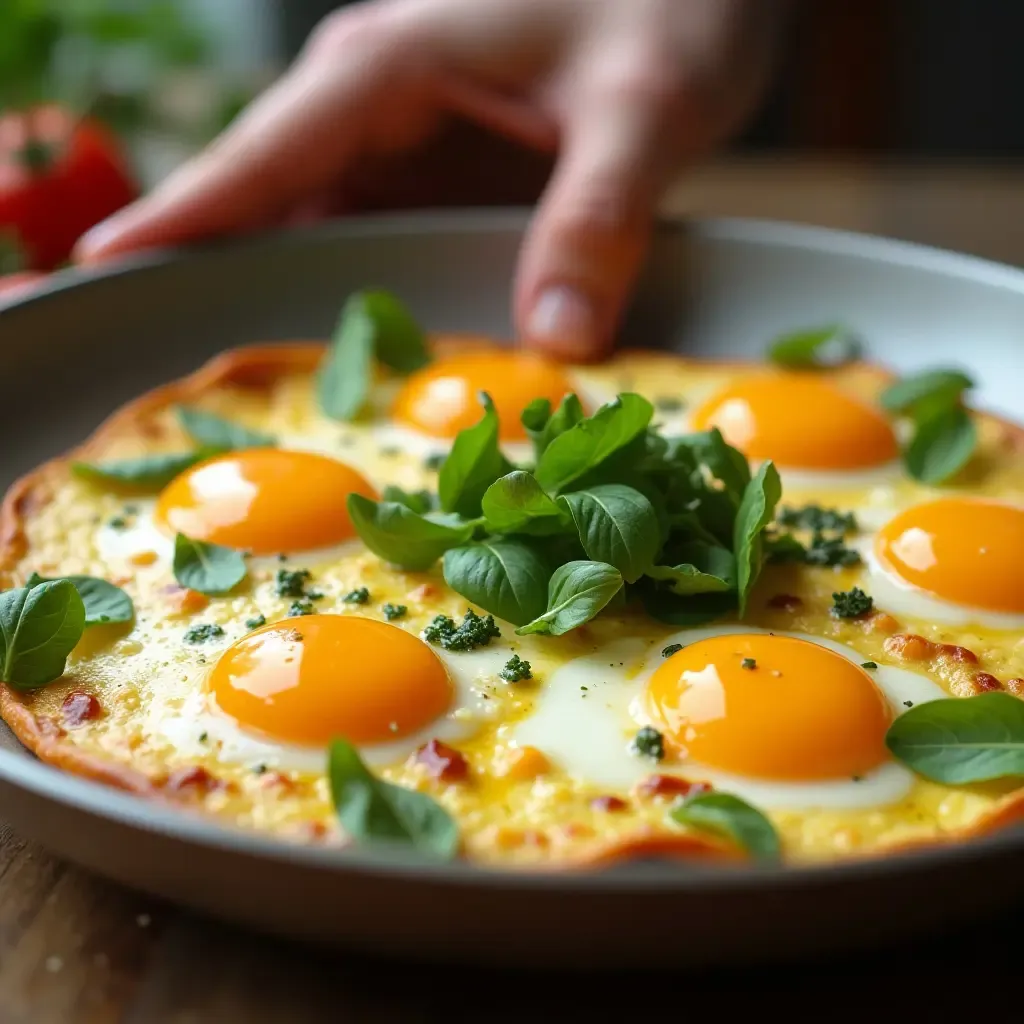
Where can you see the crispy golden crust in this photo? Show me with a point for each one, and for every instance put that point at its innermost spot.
(258, 366)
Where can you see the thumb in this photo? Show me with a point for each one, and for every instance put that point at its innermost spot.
(589, 236)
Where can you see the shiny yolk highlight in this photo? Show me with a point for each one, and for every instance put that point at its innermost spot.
(324, 676)
(442, 398)
(799, 420)
(264, 500)
(966, 550)
(801, 712)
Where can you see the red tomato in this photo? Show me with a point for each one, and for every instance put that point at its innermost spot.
(58, 177)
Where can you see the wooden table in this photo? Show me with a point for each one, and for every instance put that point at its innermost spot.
(75, 949)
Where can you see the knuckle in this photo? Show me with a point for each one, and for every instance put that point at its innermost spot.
(362, 27)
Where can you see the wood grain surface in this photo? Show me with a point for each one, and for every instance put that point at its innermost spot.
(74, 948)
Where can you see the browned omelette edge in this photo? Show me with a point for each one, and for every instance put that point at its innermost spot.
(258, 366)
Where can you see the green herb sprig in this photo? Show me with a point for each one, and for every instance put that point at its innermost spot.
(609, 509)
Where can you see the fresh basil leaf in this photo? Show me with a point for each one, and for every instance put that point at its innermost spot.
(418, 501)
(473, 464)
(587, 444)
(212, 431)
(39, 627)
(725, 463)
(150, 471)
(817, 346)
(543, 431)
(705, 569)
(504, 577)
(372, 810)
(959, 740)
(402, 537)
(104, 603)
(942, 445)
(932, 386)
(617, 525)
(515, 503)
(208, 568)
(686, 610)
(756, 511)
(729, 816)
(372, 324)
(576, 593)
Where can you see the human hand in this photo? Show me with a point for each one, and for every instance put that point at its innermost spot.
(627, 92)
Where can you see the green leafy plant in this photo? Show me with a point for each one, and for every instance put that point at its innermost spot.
(214, 432)
(815, 347)
(105, 604)
(208, 568)
(147, 472)
(727, 815)
(39, 627)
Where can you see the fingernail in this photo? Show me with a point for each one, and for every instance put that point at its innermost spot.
(98, 237)
(563, 320)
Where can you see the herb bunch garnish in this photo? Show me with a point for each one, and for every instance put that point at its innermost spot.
(610, 510)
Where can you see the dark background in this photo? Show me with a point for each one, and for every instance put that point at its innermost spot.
(941, 78)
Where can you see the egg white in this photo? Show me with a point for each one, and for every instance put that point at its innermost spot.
(590, 710)
(199, 727)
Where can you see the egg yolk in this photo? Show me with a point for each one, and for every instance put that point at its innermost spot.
(799, 420)
(770, 707)
(969, 551)
(263, 500)
(318, 677)
(443, 398)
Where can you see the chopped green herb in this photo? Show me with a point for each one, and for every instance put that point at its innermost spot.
(648, 742)
(851, 604)
(813, 517)
(667, 652)
(358, 596)
(474, 631)
(301, 606)
(204, 736)
(830, 551)
(394, 611)
(748, 663)
(869, 665)
(260, 769)
(201, 633)
(434, 462)
(292, 582)
(256, 622)
(118, 523)
(516, 670)
(908, 703)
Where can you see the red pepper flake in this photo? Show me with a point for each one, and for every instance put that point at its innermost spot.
(193, 779)
(608, 803)
(670, 785)
(442, 762)
(787, 602)
(984, 681)
(78, 707)
(278, 780)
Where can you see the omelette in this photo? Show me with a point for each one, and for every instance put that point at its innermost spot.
(437, 592)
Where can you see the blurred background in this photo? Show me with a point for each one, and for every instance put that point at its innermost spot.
(879, 81)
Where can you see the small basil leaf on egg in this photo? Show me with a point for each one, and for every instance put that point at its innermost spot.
(960, 740)
(516, 503)
(402, 537)
(618, 525)
(104, 603)
(942, 445)
(726, 815)
(592, 440)
(150, 471)
(576, 593)
(504, 577)
(827, 346)
(211, 431)
(39, 627)
(418, 501)
(473, 464)
(757, 509)
(706, 569)
(208, 568)
(372, 325)
(371, 810)
(943, 387)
